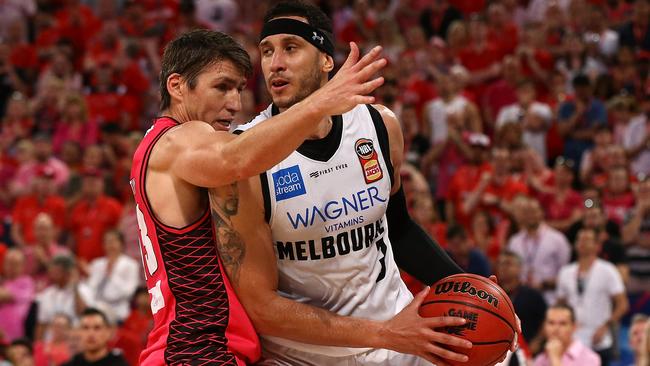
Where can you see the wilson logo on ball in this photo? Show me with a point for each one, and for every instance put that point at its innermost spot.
(466, 288)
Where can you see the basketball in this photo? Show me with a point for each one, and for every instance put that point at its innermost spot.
(491, 321)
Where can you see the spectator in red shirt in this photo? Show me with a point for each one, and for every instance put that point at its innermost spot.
(466, 178)
(105, 47)
(595, 161)
(78, 23)
(502, 32)
(23, 54)
(481, 57)
(618, 198)
(27, 208)
(536, 60)
(496, 188)
(92, 216)
(57, 348)
(104, 102)
(561, 203)
(486, 236)
(361, 26)
(138, 324)
(501, 92)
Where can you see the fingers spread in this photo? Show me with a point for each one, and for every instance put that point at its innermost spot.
(353, 56)
(447, 354)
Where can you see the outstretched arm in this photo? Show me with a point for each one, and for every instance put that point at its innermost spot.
(207, 158)
(245, 245)
(415, 252)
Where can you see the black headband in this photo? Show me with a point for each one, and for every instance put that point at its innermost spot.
(319, 38)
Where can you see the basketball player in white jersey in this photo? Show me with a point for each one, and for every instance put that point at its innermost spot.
(316, 270)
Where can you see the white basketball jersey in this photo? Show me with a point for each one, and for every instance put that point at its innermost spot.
(326, 206)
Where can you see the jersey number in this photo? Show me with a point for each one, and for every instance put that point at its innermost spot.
(149, 257)
(381, 246)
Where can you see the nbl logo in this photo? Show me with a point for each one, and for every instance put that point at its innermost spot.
(288, 183)
(369, 161)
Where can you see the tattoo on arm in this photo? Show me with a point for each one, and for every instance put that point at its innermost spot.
(224, 203)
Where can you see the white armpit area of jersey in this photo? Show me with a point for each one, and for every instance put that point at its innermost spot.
(157, 299)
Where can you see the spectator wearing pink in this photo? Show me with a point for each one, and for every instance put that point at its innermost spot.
(561, 348)
(75, 124)
(618, 198)
(25, 170)
(16, 295)
(44, 155)
(542, 249)
(44, 248)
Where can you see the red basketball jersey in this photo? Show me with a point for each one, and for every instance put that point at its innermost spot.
(198, 319)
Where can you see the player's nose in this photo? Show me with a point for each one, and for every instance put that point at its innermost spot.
(233, 101)
(277, 62)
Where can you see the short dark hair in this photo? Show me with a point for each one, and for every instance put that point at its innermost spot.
(581, 80)
(190, 53)
(595, 230)
(118, 234)
(565, 306)
(312, 13)
(63, 261)
(510, 254)
(25, 342)
(456, 231)
(93, 312)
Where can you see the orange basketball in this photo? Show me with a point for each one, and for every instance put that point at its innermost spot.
(491, 322)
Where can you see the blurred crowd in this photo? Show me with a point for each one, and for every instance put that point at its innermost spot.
(527, 137)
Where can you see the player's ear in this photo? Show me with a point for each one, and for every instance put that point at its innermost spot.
(328, 65)
(175, 86)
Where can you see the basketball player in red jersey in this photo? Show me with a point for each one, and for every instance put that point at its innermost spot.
(197, 318)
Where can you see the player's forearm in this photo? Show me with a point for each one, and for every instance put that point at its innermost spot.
(264, 145)
(284, 318)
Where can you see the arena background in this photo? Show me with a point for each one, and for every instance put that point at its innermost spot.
(508, 108)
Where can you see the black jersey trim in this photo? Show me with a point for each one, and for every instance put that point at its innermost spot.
(266, 195)
(382, 136)
(264, 180)
(321, 149)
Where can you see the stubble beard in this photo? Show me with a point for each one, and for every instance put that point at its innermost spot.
(307, 86)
